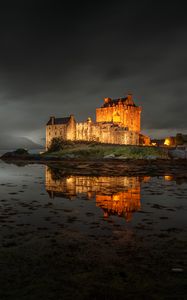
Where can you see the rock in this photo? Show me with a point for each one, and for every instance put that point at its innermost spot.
(152, 157)
(109, 156)
(177, 270)
(178, 153)
(70, 155)
(19, 153)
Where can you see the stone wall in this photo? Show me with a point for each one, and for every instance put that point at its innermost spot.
(65, 131)
(106, 133)
(88, 131)
(128, 116)
(54, 131)
(71, 129)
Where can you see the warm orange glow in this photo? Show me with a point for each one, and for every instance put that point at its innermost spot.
(114, 195)
(118, 121)
(121, 204)
(146, 178)
(168, 178)
(116, 118)
(167, 142)
(126, 113)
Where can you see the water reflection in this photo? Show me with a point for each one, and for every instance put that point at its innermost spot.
(114, 195)
(169, 178)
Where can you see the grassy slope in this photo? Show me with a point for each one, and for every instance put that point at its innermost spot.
(99, 151)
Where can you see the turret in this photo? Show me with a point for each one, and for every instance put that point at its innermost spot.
(52, 120)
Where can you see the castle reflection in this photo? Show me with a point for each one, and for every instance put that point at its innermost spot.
(114, 195)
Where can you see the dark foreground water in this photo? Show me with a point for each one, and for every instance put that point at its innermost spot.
(94, 237)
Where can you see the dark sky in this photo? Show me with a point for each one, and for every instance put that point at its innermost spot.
(58, 59)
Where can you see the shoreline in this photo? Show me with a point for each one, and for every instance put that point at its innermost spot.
(109, 167)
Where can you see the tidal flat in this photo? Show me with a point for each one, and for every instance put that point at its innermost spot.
(93, 230)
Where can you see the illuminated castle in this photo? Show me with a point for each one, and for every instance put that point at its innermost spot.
(117, 122)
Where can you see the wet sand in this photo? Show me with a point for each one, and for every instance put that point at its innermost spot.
(66, 248)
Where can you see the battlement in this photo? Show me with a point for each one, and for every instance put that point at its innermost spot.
(122, 111)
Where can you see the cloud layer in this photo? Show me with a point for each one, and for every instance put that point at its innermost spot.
(57, 60)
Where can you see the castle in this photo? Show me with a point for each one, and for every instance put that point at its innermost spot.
(118, 121)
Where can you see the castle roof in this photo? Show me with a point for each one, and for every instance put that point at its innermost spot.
(58, 121)
(124, 100)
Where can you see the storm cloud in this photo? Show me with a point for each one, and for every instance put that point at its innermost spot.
(58, 59)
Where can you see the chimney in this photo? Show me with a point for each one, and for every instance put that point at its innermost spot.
(52, 119)
(129, 96)
(130, 99)
(89, 120)
(107, 100)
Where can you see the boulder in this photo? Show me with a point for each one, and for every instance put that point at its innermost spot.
(19, 153)
(178, 154)
(109, 156)
(151, 157)
(69, 155)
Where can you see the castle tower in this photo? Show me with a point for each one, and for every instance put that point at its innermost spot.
(64, 128)
(122, 111)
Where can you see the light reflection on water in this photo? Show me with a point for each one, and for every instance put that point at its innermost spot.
(114, 195)
(40, 196)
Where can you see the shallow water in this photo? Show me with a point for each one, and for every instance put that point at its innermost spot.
(36, 197)
(110, 235)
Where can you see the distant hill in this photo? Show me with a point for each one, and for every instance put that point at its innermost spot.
(14, 142)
